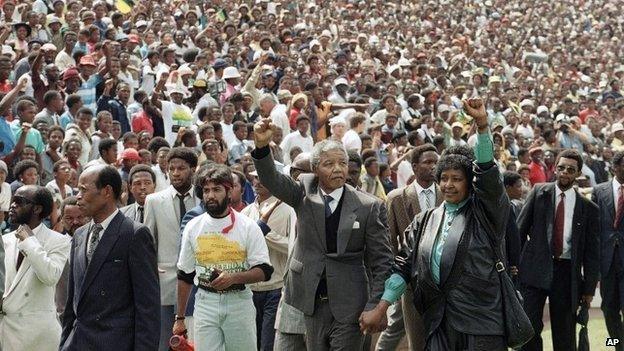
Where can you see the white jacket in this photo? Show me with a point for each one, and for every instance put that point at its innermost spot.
(29, 320)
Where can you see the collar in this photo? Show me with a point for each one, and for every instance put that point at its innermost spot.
(419, 188)
(174, 192)
(568, 193)
(105, 223)
(616, 185)
(270, 200)
(452, 208)
(336, 194)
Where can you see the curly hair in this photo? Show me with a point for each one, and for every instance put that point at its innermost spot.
(457, 158)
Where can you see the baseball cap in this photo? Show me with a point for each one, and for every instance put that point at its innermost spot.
(87, 60)
(70, 73)
(130, 154)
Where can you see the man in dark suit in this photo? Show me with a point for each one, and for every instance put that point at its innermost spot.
(340, 235)
(142, 182)
(560, 260)
(403, 206)
(113, 296)
(609, 197)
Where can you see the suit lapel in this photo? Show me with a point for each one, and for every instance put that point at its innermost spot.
(438, 195)
(411, 202)
(455, 233)
(80, 257)
(576, 225)
(9, 262)
(350, 204)
(548, 201)
(430, 234)
(610, 201)
(318, 213)
(107, 241)
(25, 266)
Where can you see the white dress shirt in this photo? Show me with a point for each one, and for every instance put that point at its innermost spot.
(616, 192)
(426, 201)
(105, 223)
(336, 195)
(570, 202)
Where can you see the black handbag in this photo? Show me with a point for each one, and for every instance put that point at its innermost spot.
(518, 328)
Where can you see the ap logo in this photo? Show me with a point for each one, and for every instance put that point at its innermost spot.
(612, 342)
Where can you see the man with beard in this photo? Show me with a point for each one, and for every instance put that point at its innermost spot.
(221, 252)
(142, 182)
(164, 211)
(34, 260)
(72, 218)
(403, 205)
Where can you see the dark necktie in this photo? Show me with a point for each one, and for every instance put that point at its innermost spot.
(94, 239)
(327, 200)
(20, 258)
(141, 211)
(182, 206)
(619, 212)
(559, 221)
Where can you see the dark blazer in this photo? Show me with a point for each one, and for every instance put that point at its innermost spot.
(115, 300)
(603, 197)
(468, 295)
(535, 226)
(362, 244)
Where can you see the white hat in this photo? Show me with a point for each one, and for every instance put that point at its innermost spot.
(443, 108)
(403, 62)
(314, 42)
(393, 68)
(141, 23)
(541, 109)
(616, 127)
(284, 94)
(526, 102)
(231, 72)
(337, 120)
(7, 50)
(457, 125)
(562, 118)
(340, 81)
(326, 33)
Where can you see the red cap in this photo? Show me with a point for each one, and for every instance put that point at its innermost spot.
(130, 154)
(70, 73)
(133, 38)
(87, 60)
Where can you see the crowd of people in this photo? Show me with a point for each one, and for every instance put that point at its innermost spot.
(255, 175)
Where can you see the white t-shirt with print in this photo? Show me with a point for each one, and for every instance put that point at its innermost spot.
(175, 114)
(205, 246)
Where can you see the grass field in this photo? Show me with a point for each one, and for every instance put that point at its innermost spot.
(597, 335)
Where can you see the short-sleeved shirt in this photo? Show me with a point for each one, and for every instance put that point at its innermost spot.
(205, 246)
(175, 115)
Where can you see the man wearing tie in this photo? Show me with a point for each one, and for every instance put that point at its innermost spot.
(113, 297)
(560, 260)
(164, 211)
(403, 205)
(609, 196)
(341, 235)
(142, 182)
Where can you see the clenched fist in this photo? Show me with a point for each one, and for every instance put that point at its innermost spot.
(476, 109)
(263, 132)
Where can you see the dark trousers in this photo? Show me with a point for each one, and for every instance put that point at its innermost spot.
(324, 332)
(562, 315)
(612, 292)
(446, 338)
(266, 308)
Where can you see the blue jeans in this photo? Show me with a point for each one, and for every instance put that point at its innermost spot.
(266, 308)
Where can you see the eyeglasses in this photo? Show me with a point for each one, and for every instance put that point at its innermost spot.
(568, 169)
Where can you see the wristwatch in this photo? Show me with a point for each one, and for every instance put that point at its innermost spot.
(179, 318)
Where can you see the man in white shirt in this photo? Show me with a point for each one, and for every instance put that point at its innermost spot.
(299, 137)
(277, 222)
(269, 108)
(221, 252)
(351, 140)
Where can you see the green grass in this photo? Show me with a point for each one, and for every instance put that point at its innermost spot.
(597, 336)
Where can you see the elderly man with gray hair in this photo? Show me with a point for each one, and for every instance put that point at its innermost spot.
(269, 107)
(341, 235)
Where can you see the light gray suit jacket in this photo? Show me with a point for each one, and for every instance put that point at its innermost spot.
(163, 223)
(363, 243)
(130, 211)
